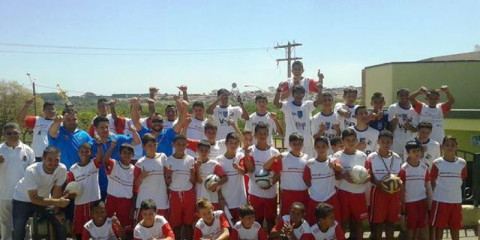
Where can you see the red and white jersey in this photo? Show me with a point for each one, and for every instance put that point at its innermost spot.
(111, 126)
(180, 172)
(216, 150)
(345, 122)
(104, 232)
(16, 160)
(448, 178)
(309, 84)
(348, 162)
(430, 151)
(297, 119)
(253, 233)
(260, 157)
(138, 149)
(435, 116)
(380, 167)
(160, 229)
(400, 134)
(153, 186)
(255, 118)
(328, 120)
(195, 131)
(87, 177)
(120, 179)
(334, 232)
(291, 170)
(213, 231)
(207, 168)
(301, 233)
(322, 179)
(221, 115)
(234, 189)
(414, 178)
(40, 127)
(369, 136)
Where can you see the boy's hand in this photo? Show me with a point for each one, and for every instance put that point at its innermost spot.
(394, 121)
(273, 116)
(153, 90)
(168, 171)
(319, 86)
(115, 219)
(63, 201)
(423, 90)
(112, 102)
(58, 119)
(347, 112)
(280, 86)
(362, 145)
(287, 228)
(444, 88)
(323, 127)
(132, 128)
(182, 88)
(407, 125)
(2, 159)
(336, 126)
(235, 165)
(230, 122)
(134, 101)
(348, 177)
(29, 102)
(143, 174)
(320, 76)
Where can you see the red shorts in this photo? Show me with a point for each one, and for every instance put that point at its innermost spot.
(182, 207)
(80, 217)
(353, 205)
(312, 204)
(416, 214)
(122, 207)
(265, 208)
(384, 207)
(291, 196)
(446, 215)
(162, 212)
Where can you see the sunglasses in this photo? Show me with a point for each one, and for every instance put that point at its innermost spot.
(157, 121)
(11, 133)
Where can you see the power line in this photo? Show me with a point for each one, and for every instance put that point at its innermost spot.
(128, 54)
(288, 52)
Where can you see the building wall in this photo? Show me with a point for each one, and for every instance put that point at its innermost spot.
(377, 79)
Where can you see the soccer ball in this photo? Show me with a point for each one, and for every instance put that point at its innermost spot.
(74, 188)
(263, 179)
(391, 184)
(210, 179)
(359, 174)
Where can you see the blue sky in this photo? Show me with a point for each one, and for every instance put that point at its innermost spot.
(339, 37)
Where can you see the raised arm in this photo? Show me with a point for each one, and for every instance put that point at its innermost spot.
(413, 96)
(268, 164)
(245, 114)
(319, 99)
(23, 112)
(151, 101)
(279, 127)
(111, 105)
(184, 88)
(135, 115)
(450, 98)
(276, 100)
(55, 127)
(232, 124)
(182, 107)
(213, 105)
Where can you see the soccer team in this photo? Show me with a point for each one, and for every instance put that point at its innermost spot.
(145, 177)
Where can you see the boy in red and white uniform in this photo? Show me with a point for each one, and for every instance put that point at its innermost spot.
(103, 106)
(120, 175)
(402, 120)
(430, 148)
(416, 190)
(152, 225)
(217, 147)
(101, 226)
(180, 177)
(433, 111)
(298, 114)
(222, 111)
(309, 84)
(384, 206)
(325, 227)
(326, 122)
(292, 225)
(346, 111)
(149, 176)
(262, 115)
(290, 166)
(448, 174)
(85, 173)
(196, 127)
(352, 194)
(39, 125)
(319, 176)
(212, 224)
(263, 200)
(247, 227)
(366, 135)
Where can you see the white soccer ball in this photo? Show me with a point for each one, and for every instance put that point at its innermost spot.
(359, 174)
(74, 188)
(263, 178)
(210, 179)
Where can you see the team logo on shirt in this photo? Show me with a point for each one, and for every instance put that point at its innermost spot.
(225, 114)
(299, 114)
(24, 159)
(327, 125)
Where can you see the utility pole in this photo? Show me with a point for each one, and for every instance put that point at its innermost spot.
(288, 48)
(34, 94)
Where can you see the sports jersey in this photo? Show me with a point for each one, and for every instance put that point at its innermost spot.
(310, 86)
(381, 167)
(260, 157)
(291, 170)
(322, 179)
(297, 119)
(430, 151)
(369, 136)
(234, 189)
(213, 231)
(346, 122)
(255, 232)
(401, 135)
(329, 121)
(334, 232)
(40, 127)
(221, 115)
(105, 232)
(435, 116)
(348, 162)
(207, 168)
(448, 178)
(153, 186)
(256, 118)
(301, 233)
(180, 172)
(87, 177)
(160, 229)
(414, 178)
(120, 179)
(16, 161)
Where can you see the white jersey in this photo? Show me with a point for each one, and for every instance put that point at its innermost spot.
(297, 119)
(260, 157)
(348, 162)
(221, 115)
(255, 118)
(247, 234)
(330, 234)
(291, 170)
(195, 131)
(180, 172)
(37, 179)
(430, 151)
(207, 168)
(40, 127)
(120, 179)
(16, 161)
(381, 167)
(322, 179)
(449, 178)
(304, 228)
(104, 232)
(346, 122)
(160, 229)
(234, 189)
(435, 116)
(87, 177)
(153, 186)
(215, 229)
(369, 136)
(111, 124)
(138, 149)
(414, 179)
(167, 124)
(328, 120)
(400, 134)
(310, 86)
